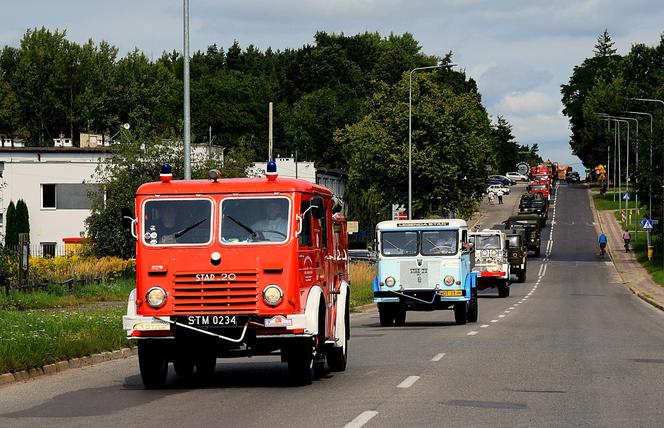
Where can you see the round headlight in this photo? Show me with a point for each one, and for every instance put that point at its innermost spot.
(272, 295)
(156, 297)
(448, 280)
(390, 281)
(484, 253)
(494, 253)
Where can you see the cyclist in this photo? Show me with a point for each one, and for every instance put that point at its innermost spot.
(602, 244)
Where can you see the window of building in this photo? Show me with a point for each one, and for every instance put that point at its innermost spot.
(48, 195)
(48, 249)
(68, 196)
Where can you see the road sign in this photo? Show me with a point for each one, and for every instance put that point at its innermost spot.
(523, 168)
(626, 196)
(352, 227)
(647, 224)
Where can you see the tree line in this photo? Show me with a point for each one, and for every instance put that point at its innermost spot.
(341, 102)
(609, 83)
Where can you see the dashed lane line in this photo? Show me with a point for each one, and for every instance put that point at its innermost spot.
(494, 321)
(438, 357)
(362, 419)
(501, 316)
(484, 325)
(472, 333)
(408, 382)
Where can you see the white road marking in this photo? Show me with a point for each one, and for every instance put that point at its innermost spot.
(408, 382)
(539, 273)
(484, 325)
(507, 312)
(472, 333)
(501, 316)
(544, 271)
(438, 357)
(494, 321)
(362, 419)
(608, 263)
(511, 307)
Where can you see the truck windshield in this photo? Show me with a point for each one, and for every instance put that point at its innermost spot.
(254, 220)
(515, 241)
(439, 242)
(175, 222)
(399, 243)
(490, 242)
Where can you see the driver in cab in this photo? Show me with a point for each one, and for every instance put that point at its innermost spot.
(274, 225)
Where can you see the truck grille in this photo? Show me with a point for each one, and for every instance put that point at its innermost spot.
(219, 295)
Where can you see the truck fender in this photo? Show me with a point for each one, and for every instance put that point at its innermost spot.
(309, 319)
(131, 303)
(470, 282)
(340, 327)
(376, 287)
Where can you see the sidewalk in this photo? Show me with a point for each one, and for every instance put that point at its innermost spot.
(633, 275)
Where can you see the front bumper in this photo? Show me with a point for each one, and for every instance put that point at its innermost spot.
(420, 297)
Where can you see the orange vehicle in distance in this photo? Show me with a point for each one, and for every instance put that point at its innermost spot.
(238, 267)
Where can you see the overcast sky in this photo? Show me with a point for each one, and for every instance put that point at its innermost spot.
(519, 52)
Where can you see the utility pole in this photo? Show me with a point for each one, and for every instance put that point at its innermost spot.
(187, 118)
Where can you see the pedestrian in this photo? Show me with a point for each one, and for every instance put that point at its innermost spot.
(627, 237)
(499, 193)
(492, 197)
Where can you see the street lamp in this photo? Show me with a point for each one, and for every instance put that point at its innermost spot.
(185, 78)
(618, 120)
(410, 130)
(649, 179)
(124, 126)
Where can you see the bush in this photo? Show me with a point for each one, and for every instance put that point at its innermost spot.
(79, 269)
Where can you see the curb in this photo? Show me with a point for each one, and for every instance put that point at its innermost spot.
(64, 365)
(635, 290)
(364, 308)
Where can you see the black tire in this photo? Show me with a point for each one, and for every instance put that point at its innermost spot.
(184, 366)
(152, 363)
(400, 317)
(521, 276)
(301, 362)
(461, 313)
(537, 252)
(503, 290)
(337, 358)
(206, 365)
(386, 316)
(473, 308)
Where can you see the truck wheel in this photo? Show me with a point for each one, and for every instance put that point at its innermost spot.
(473, 309)
(152, 363)
(461, 313)
(503, 290)
(521, 276)
(337, 357)
(537, 252)
(301, 362)
(400, 317)
(386, 316)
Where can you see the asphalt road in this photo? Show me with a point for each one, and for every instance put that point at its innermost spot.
(570, 347)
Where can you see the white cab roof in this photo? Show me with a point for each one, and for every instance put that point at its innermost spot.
(421, 224)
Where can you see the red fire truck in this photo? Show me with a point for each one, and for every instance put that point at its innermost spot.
(238, 267)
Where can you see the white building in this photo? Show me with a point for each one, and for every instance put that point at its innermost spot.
(54, 183)
(286, 167)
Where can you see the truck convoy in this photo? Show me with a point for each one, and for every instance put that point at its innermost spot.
(238, 267)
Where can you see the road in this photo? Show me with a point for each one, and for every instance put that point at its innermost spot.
(570, 347)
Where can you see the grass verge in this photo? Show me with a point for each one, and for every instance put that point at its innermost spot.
(361, 279)
(30, 339)
(654, 267)
(55, 296)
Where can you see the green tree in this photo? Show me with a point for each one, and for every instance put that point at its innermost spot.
(604, 46)
(11, 231)
(505, 147)
(22, 217)
(9, 111)
(137, 161)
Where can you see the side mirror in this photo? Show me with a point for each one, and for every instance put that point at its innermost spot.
(318, 207)
(127, 218)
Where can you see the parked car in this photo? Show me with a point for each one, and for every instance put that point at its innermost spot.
(504, 180)
(516, 176)
(496, 187)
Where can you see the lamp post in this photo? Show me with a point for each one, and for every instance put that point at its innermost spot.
(410, 132)
(641, 113)
(124, 126)
(636, 151)
(618, 121)
(187, 117)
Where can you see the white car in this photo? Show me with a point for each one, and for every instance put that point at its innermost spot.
(516, 176)
(496, 187)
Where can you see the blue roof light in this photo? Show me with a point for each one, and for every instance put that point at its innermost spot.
(271, 167)
(166, 168)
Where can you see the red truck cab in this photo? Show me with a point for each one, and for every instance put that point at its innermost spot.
(238, 267)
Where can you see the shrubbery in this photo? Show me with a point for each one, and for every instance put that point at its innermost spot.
(79, 269)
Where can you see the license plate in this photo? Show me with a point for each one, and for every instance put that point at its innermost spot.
(210, 320)
(450, 293)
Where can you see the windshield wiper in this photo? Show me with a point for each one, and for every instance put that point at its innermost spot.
(253, 233)
(188, 228)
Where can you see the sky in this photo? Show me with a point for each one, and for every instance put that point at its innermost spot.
(519, 52)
